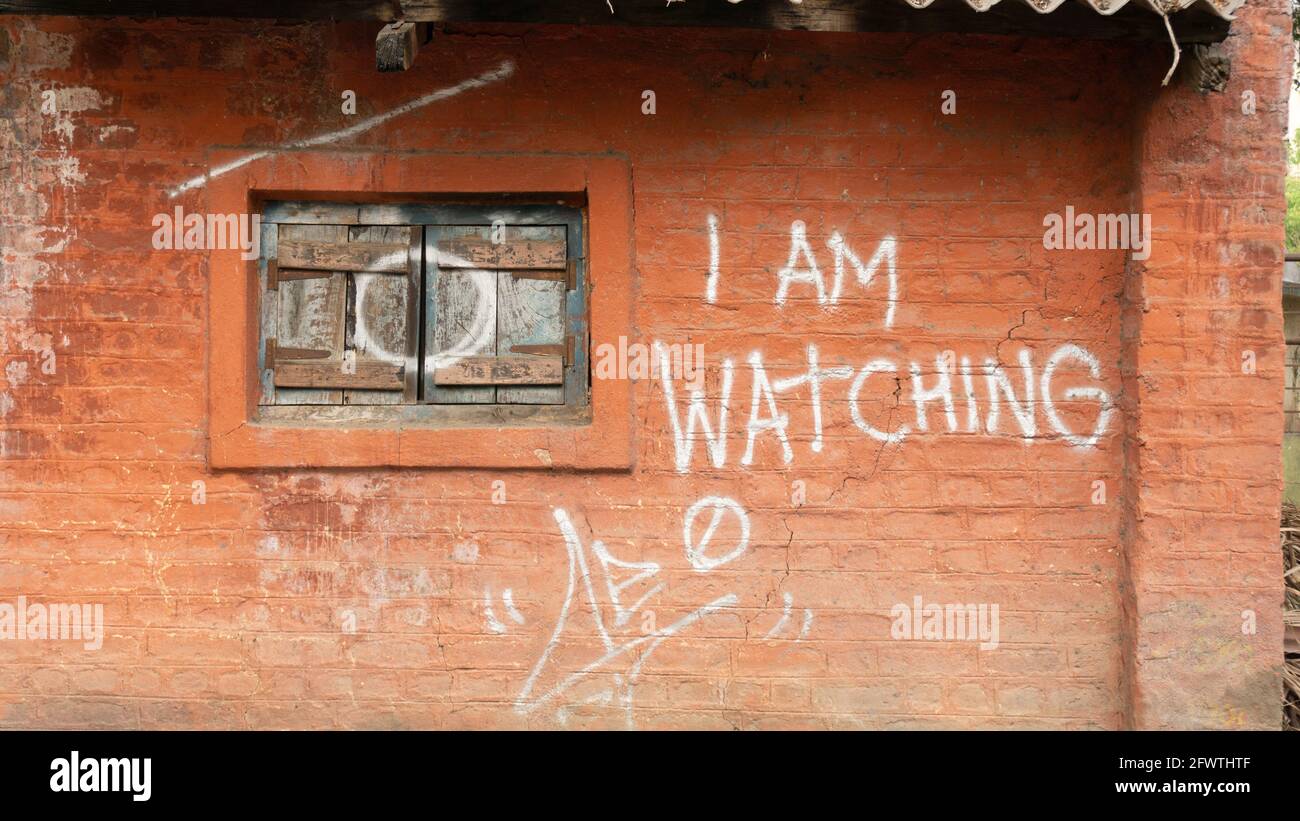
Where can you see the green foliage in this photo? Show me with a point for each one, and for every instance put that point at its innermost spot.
(1295, 37)
(1292, 214)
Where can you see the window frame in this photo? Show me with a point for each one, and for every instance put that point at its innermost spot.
(240, 182)
(429, 216)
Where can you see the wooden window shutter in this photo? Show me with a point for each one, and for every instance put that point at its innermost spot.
(340, 315)
(496, 307)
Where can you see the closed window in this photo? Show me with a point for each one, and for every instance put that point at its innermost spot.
(441, 313)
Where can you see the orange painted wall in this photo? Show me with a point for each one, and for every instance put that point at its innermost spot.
(376, 597)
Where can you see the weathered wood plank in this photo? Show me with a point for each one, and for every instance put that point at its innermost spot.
(366, 375)
(1075, 20)
(560, 275)
(274, 352)
(370, 257)
(1291, 326)
(377, 329)
(502, 370)
(519, 248)
(530, 312)
(414, 280)
(387, 214)
(554, 349)
(282, 274)
(268, 312)
(428, 307)
(463, 308)
(417, 213)
(577, 373)
(395, 47)
(312, 314)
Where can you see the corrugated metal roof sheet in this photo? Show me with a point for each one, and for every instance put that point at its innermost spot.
(1223, 8)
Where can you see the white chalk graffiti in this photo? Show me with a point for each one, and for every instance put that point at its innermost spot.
(504, 70)
(715, 254)
(1094, 370)
(787, 605)
(508, 599)
(942, 391)
(766, 415)
(623, 684)
(883, 388)
(775, 421)
(801, 267)
(489, 613)
(998, 381)
(809, 273)
(855, 390)
(477, 335)
(645, 571)
(813, 379)
(617, 581)
(695, 551)
(885, 252)
(1022, 397)
(696, 414)
(494, 624)
(362, 339)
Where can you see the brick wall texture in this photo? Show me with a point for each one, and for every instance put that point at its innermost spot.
(1122, 518)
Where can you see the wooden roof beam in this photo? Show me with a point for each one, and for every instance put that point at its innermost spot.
(395, 46)
(1070, 20)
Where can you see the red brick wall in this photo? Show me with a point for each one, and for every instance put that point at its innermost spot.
(1205, 432)
(376, 598)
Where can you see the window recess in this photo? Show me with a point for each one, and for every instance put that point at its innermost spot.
(462, 314)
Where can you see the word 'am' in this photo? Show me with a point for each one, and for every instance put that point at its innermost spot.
(802, 267)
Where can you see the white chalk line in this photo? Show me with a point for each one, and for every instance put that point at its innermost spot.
(501, 72)
(508, 596)
(570, 538)
(494, 624)
(787, 601)
(578, 567)
(656, 638)
(475, 338)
